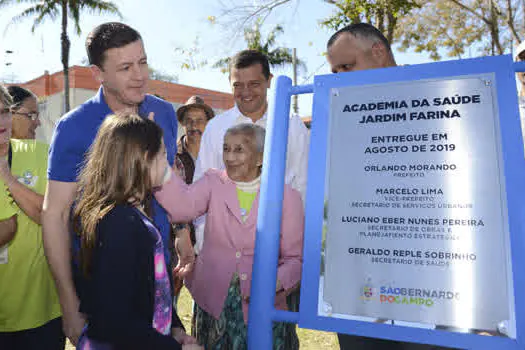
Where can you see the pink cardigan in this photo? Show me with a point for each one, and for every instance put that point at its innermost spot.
(228, 242)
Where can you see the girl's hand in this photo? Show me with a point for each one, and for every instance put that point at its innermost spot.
(182, 338)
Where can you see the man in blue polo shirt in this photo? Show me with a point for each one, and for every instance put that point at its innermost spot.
(118, 61)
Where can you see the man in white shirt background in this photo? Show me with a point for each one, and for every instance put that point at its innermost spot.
(250, 79)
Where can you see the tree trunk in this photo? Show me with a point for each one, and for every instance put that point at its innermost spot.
(380, 15)
(391, 26)
(295, 98)
(523, 6)
(64, 39)
(510, 21)
(494, 29)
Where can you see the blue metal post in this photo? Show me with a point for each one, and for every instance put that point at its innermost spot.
(267, 241)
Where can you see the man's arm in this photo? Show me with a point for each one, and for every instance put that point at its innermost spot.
(7, 230)
(55, 222)
(292, 235)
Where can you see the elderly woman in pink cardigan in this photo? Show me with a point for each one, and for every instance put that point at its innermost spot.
(221, 278)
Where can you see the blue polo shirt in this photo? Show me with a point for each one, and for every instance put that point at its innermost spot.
(76, 131)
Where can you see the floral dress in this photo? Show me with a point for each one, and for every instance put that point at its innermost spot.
(230, 332)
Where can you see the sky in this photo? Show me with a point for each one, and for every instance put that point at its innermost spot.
(166, 25)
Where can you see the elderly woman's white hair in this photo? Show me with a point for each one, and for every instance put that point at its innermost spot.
(252, 131)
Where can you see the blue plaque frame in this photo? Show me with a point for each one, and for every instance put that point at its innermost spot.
(262, 312)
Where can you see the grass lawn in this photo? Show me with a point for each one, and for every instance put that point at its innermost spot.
(310, 340)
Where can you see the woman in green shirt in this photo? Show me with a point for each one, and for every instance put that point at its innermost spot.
(7, 210)
(30, 315)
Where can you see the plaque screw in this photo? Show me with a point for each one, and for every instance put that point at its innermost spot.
(327, 308)
(503, 327)
(488, 83)
(335, 92)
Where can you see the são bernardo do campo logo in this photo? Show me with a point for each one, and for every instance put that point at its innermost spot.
(405, 296)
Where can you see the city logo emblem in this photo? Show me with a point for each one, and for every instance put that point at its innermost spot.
(28, 179)
(367, 291)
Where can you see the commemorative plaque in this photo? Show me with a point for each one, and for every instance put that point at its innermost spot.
(416, 226)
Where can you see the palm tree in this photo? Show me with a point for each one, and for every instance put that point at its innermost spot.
(43, 9)
(279, 56)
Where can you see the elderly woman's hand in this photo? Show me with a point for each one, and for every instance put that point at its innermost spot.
(185, 253)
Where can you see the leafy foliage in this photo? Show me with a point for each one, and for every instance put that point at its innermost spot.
(462, 28)
(65, 9)
(42, 10)
(455, 28)
(383, 14)
(191, 58)
(277, 56)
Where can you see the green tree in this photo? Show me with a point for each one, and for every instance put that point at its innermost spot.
(383, 14)
(237, 15)
(65, 9)
(191, 58)
(277, 56)
(458, 28)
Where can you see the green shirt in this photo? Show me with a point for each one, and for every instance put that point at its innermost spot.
(7, 207)
(245, 202)
(28, 297)
(7, 210)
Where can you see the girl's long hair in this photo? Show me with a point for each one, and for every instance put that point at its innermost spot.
(116, 171)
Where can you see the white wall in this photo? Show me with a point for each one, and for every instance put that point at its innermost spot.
(50, 111)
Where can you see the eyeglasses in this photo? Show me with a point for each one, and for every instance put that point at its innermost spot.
(33, 116)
